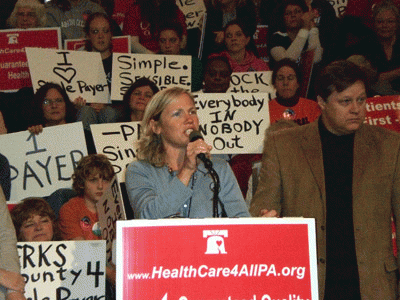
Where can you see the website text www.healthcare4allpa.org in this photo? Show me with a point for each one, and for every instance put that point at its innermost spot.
(245, 270)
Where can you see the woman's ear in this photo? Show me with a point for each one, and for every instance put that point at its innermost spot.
(155, 126)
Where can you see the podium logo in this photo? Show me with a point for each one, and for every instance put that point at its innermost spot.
(215, 241)
(13, 38)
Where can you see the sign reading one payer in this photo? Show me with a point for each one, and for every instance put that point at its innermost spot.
(208, 259)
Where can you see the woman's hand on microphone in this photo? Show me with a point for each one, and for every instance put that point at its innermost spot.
(193, 149)
(190, 162)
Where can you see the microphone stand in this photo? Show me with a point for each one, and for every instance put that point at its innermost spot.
(215, 190)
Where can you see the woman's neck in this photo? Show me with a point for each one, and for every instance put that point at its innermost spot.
(388, 46)
(238, 56)
(54, 123)
(174, 157)
(137, 115)
(292, 33)
(105, 54)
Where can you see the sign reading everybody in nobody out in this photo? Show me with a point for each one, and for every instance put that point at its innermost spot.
(193, 10)
(117, 141)
(13, 63)
(80, 73)
(252, 82)
(43, 163)
(233, 123)
(63, 270)
(110, 209)
(209, 259)
(164, 70)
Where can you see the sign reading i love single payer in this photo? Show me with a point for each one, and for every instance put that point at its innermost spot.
(217, 259)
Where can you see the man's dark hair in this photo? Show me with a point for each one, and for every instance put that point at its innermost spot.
(338, 76)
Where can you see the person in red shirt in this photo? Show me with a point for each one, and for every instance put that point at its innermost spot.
(288, 104)
(78, 217)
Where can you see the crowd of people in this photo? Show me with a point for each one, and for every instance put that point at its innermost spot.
(319, 160)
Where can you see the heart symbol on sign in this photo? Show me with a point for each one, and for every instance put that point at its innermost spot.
(219, 243)
(67, 74)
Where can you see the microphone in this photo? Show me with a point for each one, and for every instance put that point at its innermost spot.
(194, 136)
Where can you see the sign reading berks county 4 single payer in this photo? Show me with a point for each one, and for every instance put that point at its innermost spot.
(217, 259)
(63, 270)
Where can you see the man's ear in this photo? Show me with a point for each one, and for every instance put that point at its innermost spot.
(321, 102)
(155, 127)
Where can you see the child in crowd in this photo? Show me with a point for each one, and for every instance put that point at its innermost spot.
(78, 217)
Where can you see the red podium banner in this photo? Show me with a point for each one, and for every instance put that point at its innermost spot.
(13, 62)
(217, 259)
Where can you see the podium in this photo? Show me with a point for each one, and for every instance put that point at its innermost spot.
(217, 259)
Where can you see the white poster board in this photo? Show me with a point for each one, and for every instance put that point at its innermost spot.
(110, 209)
(233, 123)
(193, 10)
(339, 6)
(164, 70)
(43, 163)
(63, 270)
(117, 141)
(252, 82)
(80, 73)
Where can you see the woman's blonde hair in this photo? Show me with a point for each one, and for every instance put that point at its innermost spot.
(35, 5)
(151, 148)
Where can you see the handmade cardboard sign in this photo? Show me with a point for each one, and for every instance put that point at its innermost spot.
(80, 73)
(233, 123)
(209, 259)
(164, 70)
(63, 270)
(118, 141)
(13, 62)
(193, 10)
(252, 82)
(110, 209)
(43, 163)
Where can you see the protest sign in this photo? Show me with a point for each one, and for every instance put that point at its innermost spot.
(118, 141)
(63, 270)
(209, 259)
(121, 7)
(164, 70)
(110, 209)
(260, 39)
(339, 6)
(233, 123)
(193, 10)
(121, 44)
(13, 61)
(252, 82)
(384, 111)
(80, 73)
(42, 163)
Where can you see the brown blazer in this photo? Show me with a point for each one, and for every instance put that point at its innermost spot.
(292, 183)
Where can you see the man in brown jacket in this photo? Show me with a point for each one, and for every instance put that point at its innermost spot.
(346, 175)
